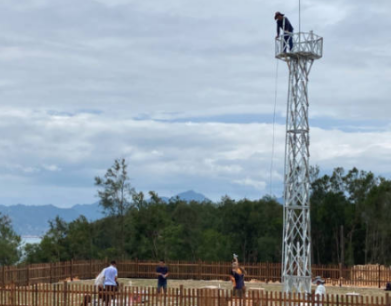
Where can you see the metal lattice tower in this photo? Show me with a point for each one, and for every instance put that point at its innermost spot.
(296, 261)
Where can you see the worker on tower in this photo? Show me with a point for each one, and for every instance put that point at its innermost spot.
(284, 24)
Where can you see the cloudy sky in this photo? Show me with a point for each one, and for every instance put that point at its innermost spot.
(184, 90)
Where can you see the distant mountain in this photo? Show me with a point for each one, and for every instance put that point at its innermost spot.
(34, 220)
(191, 195)
(165, 199)
(91, 211)
(187, 196)
(28, 220)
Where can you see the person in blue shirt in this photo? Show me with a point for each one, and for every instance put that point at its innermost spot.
(237, 275)
(287, 29)
(162, 274)
(110, 283)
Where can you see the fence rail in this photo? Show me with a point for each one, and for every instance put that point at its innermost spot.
(368, 276)
(81, 295)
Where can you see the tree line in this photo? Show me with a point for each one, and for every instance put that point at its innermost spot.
(350, 224)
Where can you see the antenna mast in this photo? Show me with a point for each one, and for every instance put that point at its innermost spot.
(299, 16)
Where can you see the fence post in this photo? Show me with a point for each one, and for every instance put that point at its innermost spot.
(65, 292)
(181, 295)
(379, 274)
(352, 273)
(340, 274)
(71, 269)
(267, 298)
(199, 269)
(137, 268)
(28, 275)
(12, 294)
(219, 269)
(50, 273)
(388, 299)
(3, 276)
(267, 272)
(35, 297)
(91, 275)
(177, 270)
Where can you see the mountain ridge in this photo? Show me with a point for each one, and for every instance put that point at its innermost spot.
(33, 220)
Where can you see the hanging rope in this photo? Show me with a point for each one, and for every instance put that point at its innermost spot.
(273, 133)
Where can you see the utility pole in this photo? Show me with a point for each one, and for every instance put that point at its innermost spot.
(296, 261)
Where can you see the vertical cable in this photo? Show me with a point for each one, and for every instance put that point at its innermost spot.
(274, 121)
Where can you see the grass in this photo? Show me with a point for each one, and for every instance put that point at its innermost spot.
(275, 287)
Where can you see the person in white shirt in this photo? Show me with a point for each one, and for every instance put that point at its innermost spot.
(99, 280)
(320, 289)
(110, 282)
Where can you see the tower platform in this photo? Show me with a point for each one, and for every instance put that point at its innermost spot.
(305, 45)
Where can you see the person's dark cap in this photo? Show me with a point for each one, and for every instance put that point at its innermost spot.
(113, 262)
(278, 14)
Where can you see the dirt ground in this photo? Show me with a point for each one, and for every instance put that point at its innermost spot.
(252, 284)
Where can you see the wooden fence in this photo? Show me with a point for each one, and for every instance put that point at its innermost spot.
(366, 276)
(81, 295)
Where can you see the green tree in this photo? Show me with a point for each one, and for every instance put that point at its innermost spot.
(9, 242)
(327, 216)
(116, 196)
(252, 226)
(350, 213)
(80, 237)
(149, 223)
(54, 245)
(376, 217)
(214, 246)
(358, 186)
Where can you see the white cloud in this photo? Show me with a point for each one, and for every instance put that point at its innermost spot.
(26, 170)
(90, 81)
(260, 185)
(115, 3)
(325, 13)
(66, 152)
(52, 168)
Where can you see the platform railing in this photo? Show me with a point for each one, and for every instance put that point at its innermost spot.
(305, 44)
